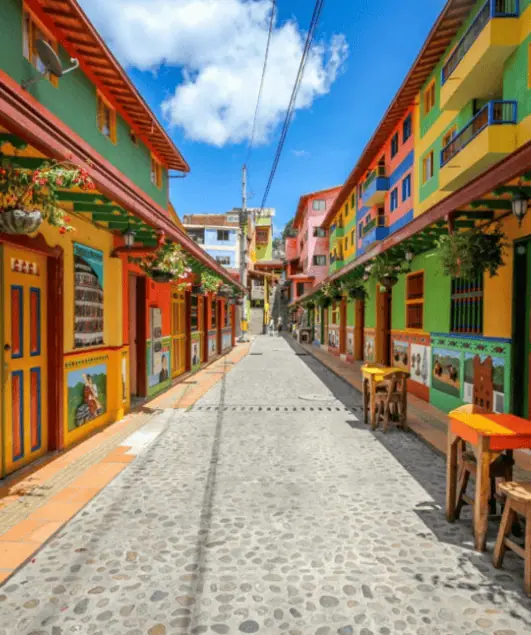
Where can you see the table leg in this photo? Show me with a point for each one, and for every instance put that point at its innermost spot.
(373, 405)
(451, 475)
(481, 499)
(365, 401)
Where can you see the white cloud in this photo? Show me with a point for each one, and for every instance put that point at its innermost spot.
(300, 153)
(219, 45)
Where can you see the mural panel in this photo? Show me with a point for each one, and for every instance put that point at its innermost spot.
(400, 355)
(498, 379)
(445, 372)
(350, 342)
(420, 364)
(369, 348)
(87, 395)
(195, 346)
(88, 296)
(159, 369)
(333, 337)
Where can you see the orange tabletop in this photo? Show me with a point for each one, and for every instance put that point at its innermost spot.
(377, 373)
(503, 431)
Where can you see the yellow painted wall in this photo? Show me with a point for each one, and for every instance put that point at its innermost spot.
(87, 234)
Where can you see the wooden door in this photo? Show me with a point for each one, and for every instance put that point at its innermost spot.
(343, 327)
(133, 361)
(359, 325)
(25, 358)
(383, 327)
(178, 334)
(326, 315)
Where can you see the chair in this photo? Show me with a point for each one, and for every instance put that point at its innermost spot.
(365, 387)
(517, 501)
(391, 399)
(501, 468)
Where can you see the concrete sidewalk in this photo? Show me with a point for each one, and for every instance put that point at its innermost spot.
(429, 423)
(37, 502)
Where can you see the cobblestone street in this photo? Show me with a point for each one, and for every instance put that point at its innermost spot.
(268, 507)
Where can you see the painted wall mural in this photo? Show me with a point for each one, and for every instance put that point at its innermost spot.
(195, 346)
(400, 355)
(88, 296)
(420, 364)
(159, 365)
(498, 379)
(87, 395)
(445, 371)
(212, 343)
(350, 342)
(333, 337)
(369, 347)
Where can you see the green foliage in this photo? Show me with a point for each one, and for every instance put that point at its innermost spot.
(210, 282)
(332, 290)
(352, 284)
(388, 265)
(468, 255)
(289, 231)
(36, 190)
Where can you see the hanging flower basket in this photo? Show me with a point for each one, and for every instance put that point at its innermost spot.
(388, 281)
(224, 291)
(357, 293)
(197, 289)
(157, 275)
(29, 197)
(210, 283)
(18, 221)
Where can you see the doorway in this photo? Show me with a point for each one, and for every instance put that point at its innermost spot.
(25, 358)
(359, 330)
(137, 336)
(383, 326)
(343, 327)
(178, 333)
(521, 394)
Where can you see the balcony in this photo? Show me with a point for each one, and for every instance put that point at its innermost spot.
(375, 187)
(485, 140)
(336, 265)
(474, 70)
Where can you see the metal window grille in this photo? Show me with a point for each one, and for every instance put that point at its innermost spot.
(467, 306)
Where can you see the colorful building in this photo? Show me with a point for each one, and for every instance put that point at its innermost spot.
(307, 252)
(451, 157)
(219, 236)
(84, 331)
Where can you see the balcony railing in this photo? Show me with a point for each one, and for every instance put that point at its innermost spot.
(370, 225)
(492, 114)
(491, 9)
(379, 171)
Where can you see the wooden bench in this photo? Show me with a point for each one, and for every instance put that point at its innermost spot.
(518, 501)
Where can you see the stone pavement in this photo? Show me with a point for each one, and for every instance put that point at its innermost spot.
(267, 507)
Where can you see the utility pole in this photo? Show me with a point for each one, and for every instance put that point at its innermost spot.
(243, 253)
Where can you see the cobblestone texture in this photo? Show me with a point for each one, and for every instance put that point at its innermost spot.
(281, 522)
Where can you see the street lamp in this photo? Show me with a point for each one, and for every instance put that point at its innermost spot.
(129, 237)
(520, 204)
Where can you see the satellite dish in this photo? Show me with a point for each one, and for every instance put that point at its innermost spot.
(51, 62)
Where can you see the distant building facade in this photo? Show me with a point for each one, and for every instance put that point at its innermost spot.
(218, 235)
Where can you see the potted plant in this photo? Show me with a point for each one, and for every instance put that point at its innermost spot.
(386, 268)
(224, 290)
(165, 264)
(468, 255)
(333, 290)
(29, 197)
(210, 283)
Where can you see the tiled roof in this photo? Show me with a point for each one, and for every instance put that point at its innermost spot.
(205, 220)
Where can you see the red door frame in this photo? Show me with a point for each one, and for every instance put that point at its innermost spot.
(54, 330)
(206, 325)
(221, 320)
(141, 336)
(359, 332)
(343, 327)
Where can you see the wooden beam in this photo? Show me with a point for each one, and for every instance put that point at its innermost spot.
(492, 204)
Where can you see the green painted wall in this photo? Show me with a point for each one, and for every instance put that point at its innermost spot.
(351, 312)
(265, 252)
(398, 305)
(370, 304)
(515, 79)
(74, 102)
(437, 292)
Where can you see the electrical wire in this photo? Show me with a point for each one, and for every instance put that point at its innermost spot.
(291, 107)
(264, 69)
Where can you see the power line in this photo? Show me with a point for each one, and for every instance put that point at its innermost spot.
(291, 107)
(271, 23)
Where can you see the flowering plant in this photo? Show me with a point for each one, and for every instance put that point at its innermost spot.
(29, 191)
(168, 260)
(332, 290)
(210, 282)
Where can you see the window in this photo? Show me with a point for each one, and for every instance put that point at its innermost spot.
(107, 119)
(394, 199)
(427, 167)
(466, 309)
(353, 237)
(134, 138)
(198, 235)
(415, 300)
(262, 236)
(380, 218)
(319, 232)
(449, 136)
(233, 218)
(223, 260)
(406, 188)
(319, 205)
(319, 261)
(360, 230)
(429, 97)
(300, 289)
(346, 209)
(223, 235)
(32, 33)
(194, 313)
(335, 313)
(353, 200)
(406, 129)
(156, 173)
(394, 145)
(346, 243)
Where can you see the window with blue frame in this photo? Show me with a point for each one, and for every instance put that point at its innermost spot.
(406, 188)
(406, 129)
(394, 199)
(394, 145)
(360, 230)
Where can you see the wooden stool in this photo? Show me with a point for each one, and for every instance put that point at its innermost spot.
(391, 399)
(502, 468)
(518, 501)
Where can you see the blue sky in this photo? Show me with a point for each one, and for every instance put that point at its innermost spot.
(326, 136)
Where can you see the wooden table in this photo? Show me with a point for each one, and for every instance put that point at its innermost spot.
(372, 375)
(489, 435)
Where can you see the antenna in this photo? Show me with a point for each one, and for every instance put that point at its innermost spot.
(51, 62)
